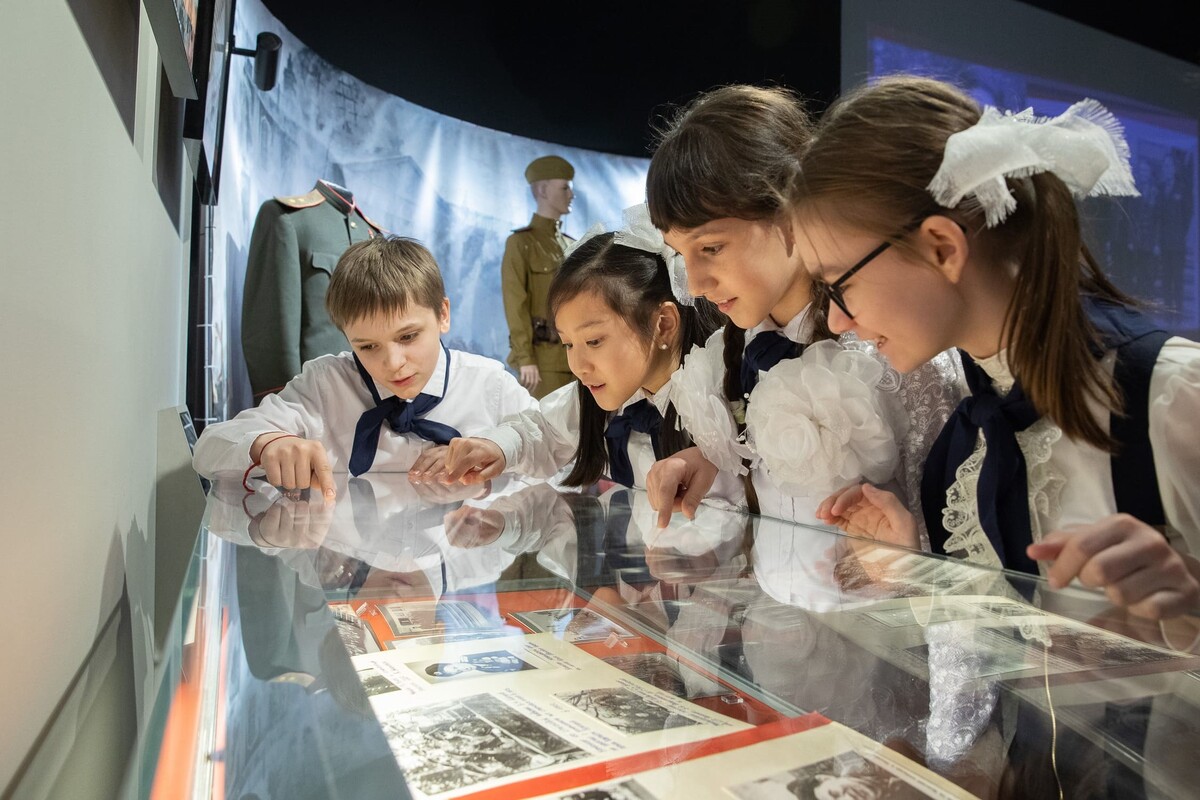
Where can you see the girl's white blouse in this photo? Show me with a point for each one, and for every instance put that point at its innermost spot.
(1070, 482)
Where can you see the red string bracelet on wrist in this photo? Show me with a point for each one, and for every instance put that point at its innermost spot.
(258, 463)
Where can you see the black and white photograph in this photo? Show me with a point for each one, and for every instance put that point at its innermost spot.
(909, 575)
(948, 610)
(847, 775)
(628, 712)
(375, 683)
(416, 618)
(1078, 647)
(470, 665)
(454, 636)
(663, 672)
(353, 631)
(448, 746)
(1006, 651)
(988, 654)
(572, 624)
(625, 790)
(1004, 608)
(905, 616)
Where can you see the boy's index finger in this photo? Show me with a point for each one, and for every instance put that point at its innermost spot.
(664, 515)
(459, 460)
(454, 471)
(324, 473)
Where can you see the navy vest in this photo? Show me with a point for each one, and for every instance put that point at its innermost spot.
(1003, 491)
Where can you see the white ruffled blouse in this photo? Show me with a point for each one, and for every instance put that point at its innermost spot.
(1071, 481)
(541, 442)
(836, 415)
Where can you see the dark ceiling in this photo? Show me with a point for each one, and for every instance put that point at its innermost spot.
(597, 75)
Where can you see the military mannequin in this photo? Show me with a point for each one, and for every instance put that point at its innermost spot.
(294, 247)
(531, 257)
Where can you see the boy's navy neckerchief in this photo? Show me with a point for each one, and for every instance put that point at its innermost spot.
(642, 417)
(401, 415)
(1003, 493)
(764, 352)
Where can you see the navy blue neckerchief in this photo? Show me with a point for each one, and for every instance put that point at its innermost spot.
(1003, 495)
(642, 417)
(402, 416)
(625, 564)
(765, 351)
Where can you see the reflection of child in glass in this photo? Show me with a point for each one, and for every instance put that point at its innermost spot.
(494, 661)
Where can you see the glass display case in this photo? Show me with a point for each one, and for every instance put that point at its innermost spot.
(517, 641)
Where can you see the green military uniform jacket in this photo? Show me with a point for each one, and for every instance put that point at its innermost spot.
(294, 248)
(531, 257)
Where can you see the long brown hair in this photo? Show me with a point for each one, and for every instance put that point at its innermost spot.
(732, 152)
(868, 165)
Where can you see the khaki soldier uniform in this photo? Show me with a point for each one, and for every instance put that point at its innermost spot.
(294, 247)
(532, 256)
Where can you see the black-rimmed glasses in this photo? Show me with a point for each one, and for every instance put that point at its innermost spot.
(835, 288)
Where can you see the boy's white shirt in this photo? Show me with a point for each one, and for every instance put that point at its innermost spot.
(324, 402)
(1070, 482)
(540, 442)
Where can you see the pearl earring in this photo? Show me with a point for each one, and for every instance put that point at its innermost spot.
(662, 346)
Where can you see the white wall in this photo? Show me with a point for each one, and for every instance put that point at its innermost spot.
(92, 332)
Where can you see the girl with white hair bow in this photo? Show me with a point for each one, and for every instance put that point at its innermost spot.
(937, 225)
(627, 324)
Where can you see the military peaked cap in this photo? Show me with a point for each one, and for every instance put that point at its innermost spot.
(547, 167)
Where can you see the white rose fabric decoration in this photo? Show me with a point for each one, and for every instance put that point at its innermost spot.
(703, 411)
(821, 421)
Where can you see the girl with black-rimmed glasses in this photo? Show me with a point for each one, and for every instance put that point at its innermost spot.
(940, 225)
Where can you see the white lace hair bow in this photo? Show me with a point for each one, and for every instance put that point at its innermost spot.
(639, 233)
(1084, 146)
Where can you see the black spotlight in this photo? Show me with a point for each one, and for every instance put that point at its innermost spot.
(266, 60)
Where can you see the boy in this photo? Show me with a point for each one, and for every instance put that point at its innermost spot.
(389, 405)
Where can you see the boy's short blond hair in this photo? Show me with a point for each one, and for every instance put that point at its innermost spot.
(383, 275)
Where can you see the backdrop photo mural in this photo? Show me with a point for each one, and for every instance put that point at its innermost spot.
(456, 187)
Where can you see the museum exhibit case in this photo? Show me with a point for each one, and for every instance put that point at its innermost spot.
(515, 640)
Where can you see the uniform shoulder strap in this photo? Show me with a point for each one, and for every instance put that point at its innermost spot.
(1137, 340)
(313, 198)
(1135, 481)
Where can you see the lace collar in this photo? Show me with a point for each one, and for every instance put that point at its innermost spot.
(998, 370)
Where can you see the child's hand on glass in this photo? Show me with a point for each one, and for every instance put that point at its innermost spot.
(292, 462)
(873, 513)
(678, 483)
(472, 461)
(429, 464)
(1130, 561)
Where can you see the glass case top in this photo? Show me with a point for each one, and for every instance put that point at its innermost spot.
(520, 641)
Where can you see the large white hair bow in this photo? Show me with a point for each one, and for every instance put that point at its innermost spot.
(639, 233)
(1084, 146)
